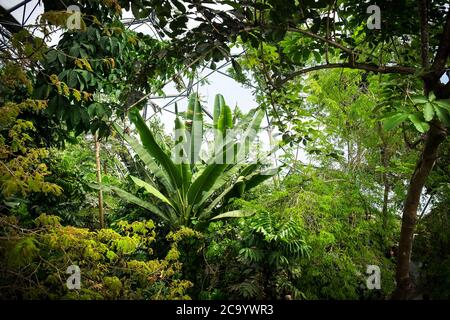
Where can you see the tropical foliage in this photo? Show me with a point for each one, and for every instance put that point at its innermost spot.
(195, 190)
(115, 264)
(341, 167)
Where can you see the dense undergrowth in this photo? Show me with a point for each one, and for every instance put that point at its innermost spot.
(341, 168)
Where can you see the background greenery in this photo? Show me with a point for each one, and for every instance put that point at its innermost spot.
(351, 141)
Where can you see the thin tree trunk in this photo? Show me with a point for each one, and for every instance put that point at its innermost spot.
(276, 179)
(99, 181)
(387, 189)
(349, 158)
(434, 138)
(385, 156)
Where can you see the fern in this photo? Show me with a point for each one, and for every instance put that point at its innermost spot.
(251, 288)
(286, 236)
(251, 255)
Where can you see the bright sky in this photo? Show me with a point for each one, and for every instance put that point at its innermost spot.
(232, 91)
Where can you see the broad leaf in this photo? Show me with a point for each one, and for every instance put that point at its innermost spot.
(249, 135)
(393, 121)
(443, 115)
(419, 99)
(181, 146)
(152, 147)
(133, 199)
(221, 196)
(204, 182)
(428, 112)
(151, 189)
(431, 97)
(233, 214)
(420, 125)
(195, 117)
(147, 159)
(443, 104)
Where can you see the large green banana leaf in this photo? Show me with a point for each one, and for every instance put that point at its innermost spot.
(195, 119)
(187, 195)
(152, 147)
(147, 159)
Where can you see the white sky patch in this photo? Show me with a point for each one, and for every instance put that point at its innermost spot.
(233, 92)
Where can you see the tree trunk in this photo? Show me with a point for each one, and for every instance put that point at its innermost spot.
(433, 139)
(276, 178)
(387, 189)
(99, 181)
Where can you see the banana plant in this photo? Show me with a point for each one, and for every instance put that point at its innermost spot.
(187, 190)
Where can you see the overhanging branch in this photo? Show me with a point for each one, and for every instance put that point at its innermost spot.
(359, 66)
(329, 41)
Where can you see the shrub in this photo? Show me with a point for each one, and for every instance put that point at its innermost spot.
(114, 264)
